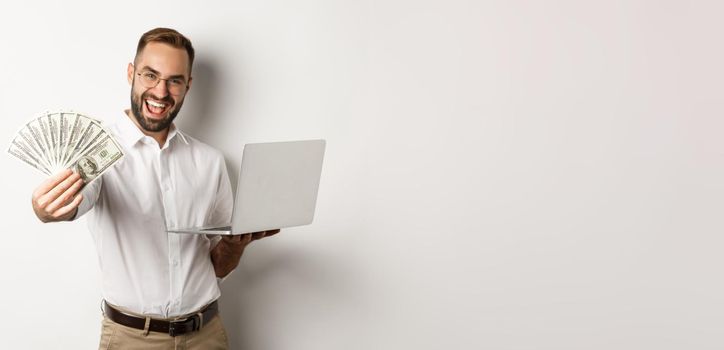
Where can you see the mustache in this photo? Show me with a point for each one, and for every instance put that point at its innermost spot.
(166, 99)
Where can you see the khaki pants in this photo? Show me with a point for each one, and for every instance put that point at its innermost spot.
(212, 336)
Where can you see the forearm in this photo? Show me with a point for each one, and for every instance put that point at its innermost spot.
(225, 257)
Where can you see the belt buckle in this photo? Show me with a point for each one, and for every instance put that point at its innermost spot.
(183, 325)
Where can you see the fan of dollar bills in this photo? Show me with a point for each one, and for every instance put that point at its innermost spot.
(60, 140)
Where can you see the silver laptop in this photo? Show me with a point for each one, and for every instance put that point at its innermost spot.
(277, 188)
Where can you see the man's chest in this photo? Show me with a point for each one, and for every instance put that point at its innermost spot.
(175, 188)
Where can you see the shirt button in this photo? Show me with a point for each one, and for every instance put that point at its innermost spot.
(175, 263)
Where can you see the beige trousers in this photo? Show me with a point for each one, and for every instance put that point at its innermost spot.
(212, 336)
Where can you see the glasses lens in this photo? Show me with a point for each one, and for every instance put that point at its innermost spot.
(149, 79)
(175, 86)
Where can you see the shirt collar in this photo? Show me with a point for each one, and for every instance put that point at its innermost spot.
(173, 131)
(130, 134)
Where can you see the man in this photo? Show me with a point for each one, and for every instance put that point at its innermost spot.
(166, 179)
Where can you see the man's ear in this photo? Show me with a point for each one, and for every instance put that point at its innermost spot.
(188, 85)
(129, 73)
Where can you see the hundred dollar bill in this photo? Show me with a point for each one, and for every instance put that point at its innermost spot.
(17, 152)
(54, 123)
(99, 137)
(90, 130)
(34, 128)
(95, 133)
(59, 140)
(65, 119)
(21, 147)
(92, 134)
(61, 136)
(68, 119)
(98, 159)
(45, 132)
(76, 136)
(34, 148)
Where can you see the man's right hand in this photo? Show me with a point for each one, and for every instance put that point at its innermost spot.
(55, 199)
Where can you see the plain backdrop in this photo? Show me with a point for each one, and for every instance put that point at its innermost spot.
(499, 174)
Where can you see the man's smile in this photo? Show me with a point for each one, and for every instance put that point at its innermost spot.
(155, 108)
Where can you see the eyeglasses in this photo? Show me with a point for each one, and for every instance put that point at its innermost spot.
(175, 86)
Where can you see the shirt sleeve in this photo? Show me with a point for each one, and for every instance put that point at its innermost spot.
(90, 194)
(223, 206)
(223, 202)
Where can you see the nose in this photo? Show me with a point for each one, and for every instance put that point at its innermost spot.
(161, 89)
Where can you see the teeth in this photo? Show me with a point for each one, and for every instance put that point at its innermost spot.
(156, 104)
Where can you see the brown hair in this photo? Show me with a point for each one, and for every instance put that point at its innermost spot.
(167, 36)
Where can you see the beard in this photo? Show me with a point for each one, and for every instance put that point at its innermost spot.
(149, 124)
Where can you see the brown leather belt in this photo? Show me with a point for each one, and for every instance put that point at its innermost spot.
(173, 328)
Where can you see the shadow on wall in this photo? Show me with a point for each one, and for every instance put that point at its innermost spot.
(250, 296)
(199, 111)
(200, 116)
(245, 293)
(241, 302)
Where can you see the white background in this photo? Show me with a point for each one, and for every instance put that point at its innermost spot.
(499, 174)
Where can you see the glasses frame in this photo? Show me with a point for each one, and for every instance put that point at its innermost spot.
(158, 80)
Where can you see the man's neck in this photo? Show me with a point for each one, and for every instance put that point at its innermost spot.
(159, 136)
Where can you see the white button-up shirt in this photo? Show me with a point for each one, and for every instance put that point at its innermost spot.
(182, 184)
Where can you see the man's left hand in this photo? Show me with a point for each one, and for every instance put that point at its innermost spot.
(225, 256)
(246, 238)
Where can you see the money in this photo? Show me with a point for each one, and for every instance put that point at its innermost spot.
(99, 158)
(60, 140)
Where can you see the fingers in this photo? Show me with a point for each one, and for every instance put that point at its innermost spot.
(51, 182)
(257, 235)
(247, 238)
(242, 239)
(66, 197)
(57, 190)
(56, 198)
(68, 208)
(262, 234)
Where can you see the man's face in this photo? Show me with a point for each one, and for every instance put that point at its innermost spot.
(155, 108)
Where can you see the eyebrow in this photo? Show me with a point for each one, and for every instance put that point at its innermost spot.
(147, 68)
